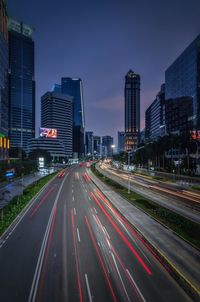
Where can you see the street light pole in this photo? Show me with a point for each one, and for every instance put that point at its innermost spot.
(129, 172)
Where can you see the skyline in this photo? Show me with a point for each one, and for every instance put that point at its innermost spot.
(116, 42)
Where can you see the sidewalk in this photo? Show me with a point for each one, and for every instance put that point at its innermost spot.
(176, 251)
(16, 187)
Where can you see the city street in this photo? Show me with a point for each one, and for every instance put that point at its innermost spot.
(179, 200)
(72, 245)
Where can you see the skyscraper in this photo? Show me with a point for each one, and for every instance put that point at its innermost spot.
(182, 78)
(56, 113)
(74, 88)
(107, 142)
(132, 110)
(89, 142)
(155, 117)
(21, 84)
(3, 80)
(3, 69)
(121, 140)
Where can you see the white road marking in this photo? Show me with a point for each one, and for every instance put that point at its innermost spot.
(95, 210)
(120, 277)
(78, 235)
(72, 191)
(88, 288)
(139, 292)
(85, 190)
(34, 286)
(89, 197)
(73, 198)
(74, 211)
(106, 232)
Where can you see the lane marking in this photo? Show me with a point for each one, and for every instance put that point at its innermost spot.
(78, 235)
(34, 286)
(26, 209)
(72, 191)
(141, 295)
(95, 210)
(100, 260)
(76, 260)
(36, 277)
(88, 288)
(73, 198)
(74, 211)
(89, 197)
(120, 277)
(106, 232)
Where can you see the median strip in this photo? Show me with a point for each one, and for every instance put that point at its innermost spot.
(185, 228)
(9, 213)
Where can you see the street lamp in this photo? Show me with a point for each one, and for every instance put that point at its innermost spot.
(112, 146)
(129, 153)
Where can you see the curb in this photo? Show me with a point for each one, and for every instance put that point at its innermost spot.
(189, 288)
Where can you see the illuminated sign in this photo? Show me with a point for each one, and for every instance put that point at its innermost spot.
(48, 132)
(10, 173)
(41, 162)
(195, 135)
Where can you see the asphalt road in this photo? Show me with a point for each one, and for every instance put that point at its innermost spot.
(176, 199)
(72, 245)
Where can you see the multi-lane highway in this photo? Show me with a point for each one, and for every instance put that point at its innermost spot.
(71, 245)
(182, 201)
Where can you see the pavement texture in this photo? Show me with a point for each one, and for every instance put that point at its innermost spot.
(70, 244)
(185, 258)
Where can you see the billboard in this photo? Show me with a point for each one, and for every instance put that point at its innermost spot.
(48, 132)
(195, 135)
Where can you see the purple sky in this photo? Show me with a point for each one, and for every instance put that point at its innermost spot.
(99, 41)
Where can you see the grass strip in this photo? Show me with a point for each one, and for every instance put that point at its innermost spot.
(196, 187)
(184, 227)
(17, 204)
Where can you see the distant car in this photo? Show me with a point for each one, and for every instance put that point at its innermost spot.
(61, 174)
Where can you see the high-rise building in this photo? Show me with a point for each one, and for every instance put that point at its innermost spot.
(3, 69)
(56, 113)
(182, 78)
(178, 115)
(107, 142)
(154, 117)
(121, 141)
(132, 110)
(89, 142)
(74, 88)
(97, 145)
(21, 84)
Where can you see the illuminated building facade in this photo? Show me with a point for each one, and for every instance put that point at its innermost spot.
(56, 113)
(132, 110)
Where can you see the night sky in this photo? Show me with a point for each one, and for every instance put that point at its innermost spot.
(99, 41)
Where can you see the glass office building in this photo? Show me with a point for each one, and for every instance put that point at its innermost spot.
(21, 84)
(182, 78)
(3, 70)
(74, 88)
(155, 117)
